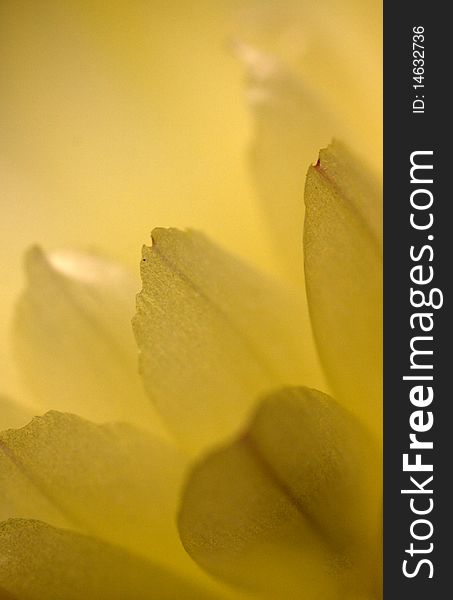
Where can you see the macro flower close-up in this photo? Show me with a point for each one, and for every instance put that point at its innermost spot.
(203, 420)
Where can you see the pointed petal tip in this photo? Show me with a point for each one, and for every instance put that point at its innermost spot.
(334, 146)
(77, 264)
(156, 233)
(160, 234)
(166, 236)
(72, 335)
(201, 306)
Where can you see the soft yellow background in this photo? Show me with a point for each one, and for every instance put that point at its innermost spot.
(119, 116)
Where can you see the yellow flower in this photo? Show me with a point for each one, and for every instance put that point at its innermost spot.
(220, 458)
(288, 504)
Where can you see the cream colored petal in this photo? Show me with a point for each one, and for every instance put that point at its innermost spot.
(97, 146)
(293, 505)
(73, 338)
(13, 413)
(343, 269)
(40, 561)
(291, 123)
(214, 334)
(113, 481)
(335, 47)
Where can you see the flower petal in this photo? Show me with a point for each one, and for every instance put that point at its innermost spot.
(343, 269)
(335, 46)
(40, 561)
(73, 337)
(292, 504)
(113, 481)
(290, 125)
(213, 334)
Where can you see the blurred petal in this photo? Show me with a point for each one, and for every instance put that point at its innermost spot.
(292, 504)
(40, 561)
(213, 335)
(335, 47)
(343, 269)
(113, 481)
(13, 413)
(73, 337)
(290, 125)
